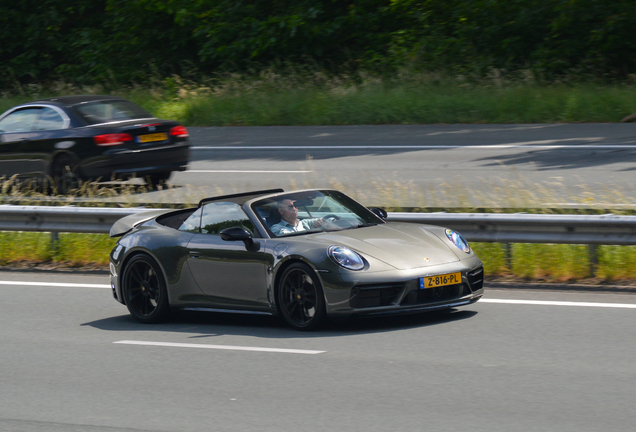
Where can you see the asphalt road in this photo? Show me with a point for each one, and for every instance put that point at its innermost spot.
(551, 362)
(422, 165)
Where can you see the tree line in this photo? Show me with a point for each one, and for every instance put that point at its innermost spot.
(133, 40)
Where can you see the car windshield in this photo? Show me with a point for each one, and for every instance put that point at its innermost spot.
(105, 111)
(312, 211)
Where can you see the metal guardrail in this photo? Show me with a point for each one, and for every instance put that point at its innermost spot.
(476, 227)
(606, 229)
(505, 228)
(61, 218)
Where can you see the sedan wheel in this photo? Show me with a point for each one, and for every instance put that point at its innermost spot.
(145, 290)
(156, 180)
(300, 298)
(64, 174)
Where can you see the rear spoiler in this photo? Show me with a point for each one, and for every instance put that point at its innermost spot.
(127, 223)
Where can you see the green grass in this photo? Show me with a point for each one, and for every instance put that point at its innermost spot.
(410, 103)
(71, 250)
(531, 262)
(560, 263)
(314, 98)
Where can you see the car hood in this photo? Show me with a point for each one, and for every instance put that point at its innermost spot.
(401, 245)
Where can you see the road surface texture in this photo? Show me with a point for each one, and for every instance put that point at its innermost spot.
(72, 359)
(552, 165)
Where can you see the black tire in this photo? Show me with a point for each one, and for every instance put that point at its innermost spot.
(64, 174)
(155, 180)
(144, 290)
(300, 298)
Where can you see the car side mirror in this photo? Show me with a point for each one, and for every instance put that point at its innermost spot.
(381, 213)
(235, 233)
(238, 233)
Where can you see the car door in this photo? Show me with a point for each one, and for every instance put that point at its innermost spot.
(232, 274)
(51, 135)
(16, 132)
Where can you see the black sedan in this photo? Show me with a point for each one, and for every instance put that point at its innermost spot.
(90, 138)
(303, 255)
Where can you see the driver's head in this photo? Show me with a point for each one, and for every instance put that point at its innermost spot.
(288, 211)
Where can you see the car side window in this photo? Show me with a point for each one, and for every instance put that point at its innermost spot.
(49, 120)
(22, 120)
(217, 216)
(193, 222)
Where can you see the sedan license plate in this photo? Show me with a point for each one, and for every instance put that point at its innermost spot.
(152, 137)
(440, 280)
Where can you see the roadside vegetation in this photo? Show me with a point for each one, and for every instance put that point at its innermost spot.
(525, 262)
(530, 262)
(313, 97)
(331, 62)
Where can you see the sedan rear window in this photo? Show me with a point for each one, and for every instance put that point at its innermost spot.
(106, 111)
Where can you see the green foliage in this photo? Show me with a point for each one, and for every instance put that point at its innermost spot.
(83, 249)
(533, 262)
(24, 246)
(146, 40)
(551, 262)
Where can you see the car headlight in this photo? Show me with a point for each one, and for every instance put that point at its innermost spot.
(346, 258)
(457, 240)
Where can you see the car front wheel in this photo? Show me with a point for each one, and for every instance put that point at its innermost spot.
(144, 289)
(300, 298)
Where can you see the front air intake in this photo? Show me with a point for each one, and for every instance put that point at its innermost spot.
(476, 279)
(366, 296)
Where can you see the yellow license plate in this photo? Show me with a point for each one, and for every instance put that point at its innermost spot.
(440, 280)
(152, 137)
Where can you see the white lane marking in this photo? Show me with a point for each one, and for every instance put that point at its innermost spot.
(560, 303)
(54, 284)
(527, 145)
(483, 300)
(505, 129)
(219, 347)
(248, 171)
(608, 205)
(321, 135)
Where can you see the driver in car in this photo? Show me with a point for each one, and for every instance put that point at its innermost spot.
(289, 219)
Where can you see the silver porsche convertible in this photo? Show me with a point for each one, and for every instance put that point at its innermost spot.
(304, 256)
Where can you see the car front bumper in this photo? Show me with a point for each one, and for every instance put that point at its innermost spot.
(399, 291)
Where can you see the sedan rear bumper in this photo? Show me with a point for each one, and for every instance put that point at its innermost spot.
(127, 163)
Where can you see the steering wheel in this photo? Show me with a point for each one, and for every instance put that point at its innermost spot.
(331, 217)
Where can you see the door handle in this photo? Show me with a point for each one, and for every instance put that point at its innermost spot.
(194, 254)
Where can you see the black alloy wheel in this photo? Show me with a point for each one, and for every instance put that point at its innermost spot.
(300, 298)
(64, 173)
(144, 289)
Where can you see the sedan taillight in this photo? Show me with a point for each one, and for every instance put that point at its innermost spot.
(179, 132)
(112, 139)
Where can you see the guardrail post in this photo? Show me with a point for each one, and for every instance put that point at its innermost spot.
(55, 237)
(593, 259)
(508, 255)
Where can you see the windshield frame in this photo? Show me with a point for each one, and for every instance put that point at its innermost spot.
(262, 208)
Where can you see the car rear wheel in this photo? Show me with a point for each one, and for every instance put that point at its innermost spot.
(155, 180)
(300, 298)
(64, 173)
(144, 289)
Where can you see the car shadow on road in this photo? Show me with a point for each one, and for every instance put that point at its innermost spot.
(205, 326)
